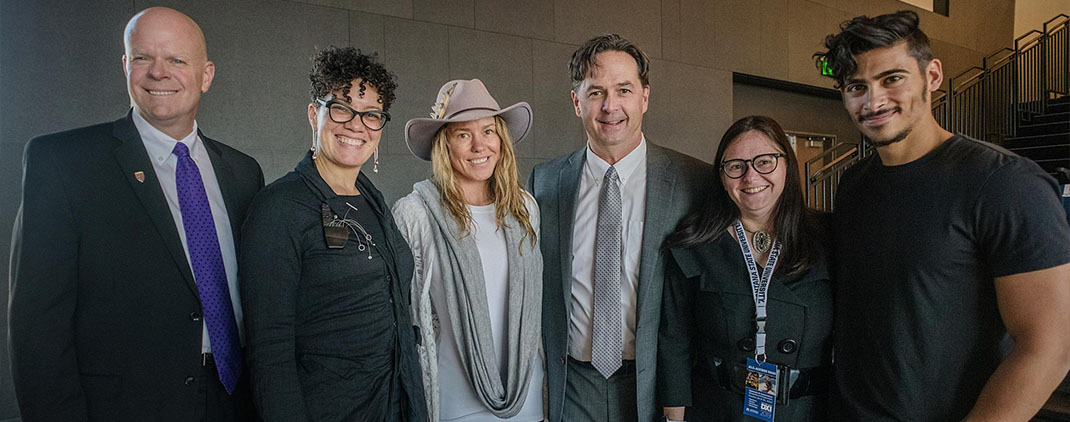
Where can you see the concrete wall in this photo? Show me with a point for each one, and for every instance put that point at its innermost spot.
(1031, 14)
(60, 68)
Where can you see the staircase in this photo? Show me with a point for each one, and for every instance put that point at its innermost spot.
(1045, 137)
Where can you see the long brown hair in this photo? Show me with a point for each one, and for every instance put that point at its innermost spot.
(796, 226)
(506, 192)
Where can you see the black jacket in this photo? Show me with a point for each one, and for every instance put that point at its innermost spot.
(105, 316)
(329, 332)
(708, 320)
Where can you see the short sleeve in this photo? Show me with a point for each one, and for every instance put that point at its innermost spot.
(1020, 222)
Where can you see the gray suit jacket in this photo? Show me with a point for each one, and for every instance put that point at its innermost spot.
(675, 183)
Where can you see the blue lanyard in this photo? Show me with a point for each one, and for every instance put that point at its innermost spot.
(759, 284)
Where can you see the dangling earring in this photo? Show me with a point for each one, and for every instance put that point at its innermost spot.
(375, 167)
(315, 153)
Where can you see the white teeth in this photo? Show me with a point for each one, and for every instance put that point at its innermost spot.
(755, 190)
(479, 160)
(162, 92)
(350, 141)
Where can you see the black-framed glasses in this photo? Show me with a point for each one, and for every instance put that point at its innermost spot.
(342, 113)
(762, 163)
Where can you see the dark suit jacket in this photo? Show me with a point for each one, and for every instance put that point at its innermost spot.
(105, 316)
(674, 183)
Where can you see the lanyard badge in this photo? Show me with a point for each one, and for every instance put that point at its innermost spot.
(759, 397)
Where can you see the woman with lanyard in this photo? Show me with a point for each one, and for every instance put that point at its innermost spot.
(325, 270)
(747, 307)
(477, 286)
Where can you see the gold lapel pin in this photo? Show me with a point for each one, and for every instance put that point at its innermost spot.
(140, 176)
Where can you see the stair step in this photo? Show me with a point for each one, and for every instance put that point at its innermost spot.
(1034, 129)
(1057, 107)
(1044, 153)
(1036, 141)
(1047, 118)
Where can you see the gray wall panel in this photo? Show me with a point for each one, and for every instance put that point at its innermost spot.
(450, 12)
(556, 130)
(527, 18)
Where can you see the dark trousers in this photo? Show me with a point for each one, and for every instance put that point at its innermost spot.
(215, 405)
(591, 397)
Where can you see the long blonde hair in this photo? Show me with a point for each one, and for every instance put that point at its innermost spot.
(505, 190)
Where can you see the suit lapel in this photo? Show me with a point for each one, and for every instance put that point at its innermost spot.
(224, 174)
(132, 158)
(568, 181)
(660, 184)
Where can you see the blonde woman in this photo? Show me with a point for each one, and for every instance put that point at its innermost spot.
(477, 286)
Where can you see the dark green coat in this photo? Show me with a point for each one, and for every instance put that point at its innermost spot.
(708, 317)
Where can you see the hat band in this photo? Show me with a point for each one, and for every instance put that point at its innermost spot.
(469, 110)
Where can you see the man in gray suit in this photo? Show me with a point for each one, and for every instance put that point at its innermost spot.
(606, 209)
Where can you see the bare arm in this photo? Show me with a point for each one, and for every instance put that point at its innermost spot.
(1035, 307)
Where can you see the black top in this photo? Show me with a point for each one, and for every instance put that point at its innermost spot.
(917, 249)
(329, 330)
(708, 321)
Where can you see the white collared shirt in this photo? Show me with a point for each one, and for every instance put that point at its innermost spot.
(160, 148)
(632, 172)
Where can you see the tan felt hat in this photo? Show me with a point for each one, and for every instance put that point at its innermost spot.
(462, 101)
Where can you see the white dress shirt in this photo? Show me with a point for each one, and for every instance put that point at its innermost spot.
(160, 148)
(632, 172)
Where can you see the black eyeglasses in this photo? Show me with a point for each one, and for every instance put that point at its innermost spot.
(762, 163)
(342, 113)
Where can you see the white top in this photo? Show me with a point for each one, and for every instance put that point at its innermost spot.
(632, 172)
(159, 146)
(457, 396)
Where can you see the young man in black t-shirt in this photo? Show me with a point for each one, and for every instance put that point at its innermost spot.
(943, 243)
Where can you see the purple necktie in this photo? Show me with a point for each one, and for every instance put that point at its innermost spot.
(208, 271)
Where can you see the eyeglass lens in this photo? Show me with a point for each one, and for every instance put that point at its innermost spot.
(763, 164)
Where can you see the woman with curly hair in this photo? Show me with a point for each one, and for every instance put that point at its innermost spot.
(477, 287)
(325, 271)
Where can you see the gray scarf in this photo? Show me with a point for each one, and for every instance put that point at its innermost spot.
(466, 302)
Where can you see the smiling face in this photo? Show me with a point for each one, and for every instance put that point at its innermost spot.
(611, 102)
(345, 147)
(755, 194)
(166, 69)
(888, 96)
(474, 150)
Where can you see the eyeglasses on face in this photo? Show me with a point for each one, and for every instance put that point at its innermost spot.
(762, 163)
(342, 113)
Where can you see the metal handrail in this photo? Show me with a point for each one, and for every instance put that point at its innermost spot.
(1061, 15)
(820, 173)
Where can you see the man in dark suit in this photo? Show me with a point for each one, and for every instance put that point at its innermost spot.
(606, 209)
(124, 280)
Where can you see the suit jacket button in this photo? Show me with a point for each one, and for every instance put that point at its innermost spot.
(195, 317)
(562, 361)
(189, 380)
(788, 346)
(746, 344)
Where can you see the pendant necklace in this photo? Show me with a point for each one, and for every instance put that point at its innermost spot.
(762, 240)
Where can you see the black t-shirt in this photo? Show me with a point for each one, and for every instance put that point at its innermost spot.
(917, 328)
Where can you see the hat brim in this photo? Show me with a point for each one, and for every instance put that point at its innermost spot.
(420, 132)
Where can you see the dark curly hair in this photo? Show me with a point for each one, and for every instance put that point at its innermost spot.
(583, 58)
(335, 68)
(863, 33)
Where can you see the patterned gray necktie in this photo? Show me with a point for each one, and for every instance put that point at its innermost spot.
(607, 341)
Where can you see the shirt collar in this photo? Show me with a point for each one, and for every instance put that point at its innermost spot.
(159, 145)
(625, 167)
